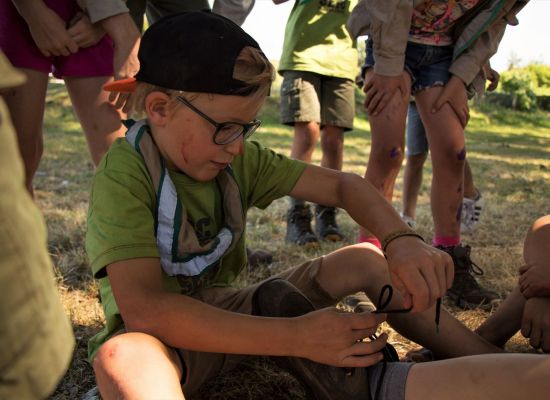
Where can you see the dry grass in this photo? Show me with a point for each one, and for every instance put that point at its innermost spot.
(509, 153)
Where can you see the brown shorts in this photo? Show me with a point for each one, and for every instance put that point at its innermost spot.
(310, 97)
(200, 367)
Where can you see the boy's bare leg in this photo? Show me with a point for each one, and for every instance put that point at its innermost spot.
(100, 120)
(505, 321)
(447, 147)
(363, 267)
(137, 366)
(26, 105)
(483, 377)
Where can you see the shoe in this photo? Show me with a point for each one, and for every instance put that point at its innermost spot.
(358, 302)
(471, 212)
(325, 224)
(466, 291)
(257, 257)
(298, 228)
(408, 220)
(279, 298)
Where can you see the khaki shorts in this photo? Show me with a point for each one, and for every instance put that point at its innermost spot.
(306, 97)
(201, 367)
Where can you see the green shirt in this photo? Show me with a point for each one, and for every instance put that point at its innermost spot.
(121, 218)
(316, 39)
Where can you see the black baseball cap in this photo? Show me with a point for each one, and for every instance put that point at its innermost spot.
(191, 51)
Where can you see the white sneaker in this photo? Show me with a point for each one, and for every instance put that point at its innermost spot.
(408, 220)
(471, 212)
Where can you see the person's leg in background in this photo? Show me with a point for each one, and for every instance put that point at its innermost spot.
(337, 114)
(26, 105)
(100, 121)
(300, 107)
(447, 147)
(387, 148)
(416, 154)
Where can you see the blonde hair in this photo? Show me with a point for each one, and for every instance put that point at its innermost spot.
(251, 67)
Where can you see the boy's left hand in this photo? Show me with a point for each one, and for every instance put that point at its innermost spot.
(420, 272)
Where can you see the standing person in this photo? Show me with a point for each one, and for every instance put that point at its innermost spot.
(36, 338)
(434, 49)
(416, 153)
(166, 237)
(54, 36)
(318, 65)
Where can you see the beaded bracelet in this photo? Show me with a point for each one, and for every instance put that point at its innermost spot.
(397, 234)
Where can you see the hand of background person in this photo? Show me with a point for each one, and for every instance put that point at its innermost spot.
(534, 279)
(83, 32)
(535, 323)
(333, 337)
(126, 38)
(420, 272)
(493, 77)
(47, 29)
(454, 93)
(380, 89)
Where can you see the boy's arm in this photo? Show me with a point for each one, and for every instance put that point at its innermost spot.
(419, 271)
(326, 336)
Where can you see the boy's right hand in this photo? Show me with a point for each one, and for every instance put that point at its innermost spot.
(333, 337)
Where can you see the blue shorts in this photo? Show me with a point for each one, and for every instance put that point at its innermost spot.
(427, 65)
(416, 140)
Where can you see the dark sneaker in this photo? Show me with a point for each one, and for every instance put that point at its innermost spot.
(298, 228)
(279, 298)
(257, 257)
(466, 291)
(325, 224)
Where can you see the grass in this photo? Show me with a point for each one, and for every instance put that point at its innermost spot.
(508, 151)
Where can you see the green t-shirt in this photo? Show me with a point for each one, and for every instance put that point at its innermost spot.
(121, 218)
(316, 39)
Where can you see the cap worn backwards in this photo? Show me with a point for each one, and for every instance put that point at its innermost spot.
(191, 51)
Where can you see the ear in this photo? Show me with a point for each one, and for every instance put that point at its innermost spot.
(156, 107)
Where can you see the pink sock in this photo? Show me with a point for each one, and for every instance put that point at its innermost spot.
(369, 239)
(446, 241)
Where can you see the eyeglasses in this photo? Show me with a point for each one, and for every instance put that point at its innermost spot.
(226, 132)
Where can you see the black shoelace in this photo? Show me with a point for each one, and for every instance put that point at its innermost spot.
(384, 300)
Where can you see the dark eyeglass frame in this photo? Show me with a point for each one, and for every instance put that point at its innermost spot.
(247, 129)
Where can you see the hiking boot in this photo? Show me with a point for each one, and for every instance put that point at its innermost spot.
(279, 298)
(466, 291)
(298, 228)
(471, 212)
(325, 224)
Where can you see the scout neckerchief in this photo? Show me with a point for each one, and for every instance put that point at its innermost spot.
(181, 253)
